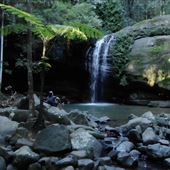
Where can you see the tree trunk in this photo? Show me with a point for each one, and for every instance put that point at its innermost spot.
(2, 47)
(29, 66)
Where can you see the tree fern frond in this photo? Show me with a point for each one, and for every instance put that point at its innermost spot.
(68, 32)
(90, 32)
(22, 14)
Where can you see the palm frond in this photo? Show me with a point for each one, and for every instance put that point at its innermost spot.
(89, 31)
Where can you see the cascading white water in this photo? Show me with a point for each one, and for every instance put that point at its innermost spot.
(98, 65)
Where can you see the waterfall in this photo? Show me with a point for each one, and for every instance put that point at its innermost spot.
(98, 65)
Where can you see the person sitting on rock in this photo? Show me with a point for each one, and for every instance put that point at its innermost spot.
(51, 99)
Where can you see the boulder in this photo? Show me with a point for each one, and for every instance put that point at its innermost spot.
(149, 115)
(80, 154)
(82, 140)
(23, 103)
(125, 146)
(158, 151)
(5, 111)
(67, 161)
(24, 156)
(2, 163)
(85, 164)
(34, 166)
(149, 136)
(134, 135)
(167, 161)
(78, 117)
(53, 139)
(143, 122)
(19, 115)
(56, 115)
(7, 127)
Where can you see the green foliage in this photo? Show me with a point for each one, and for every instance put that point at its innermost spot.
(120, 50)
(111, 13)
(88, 31)
(63, 12)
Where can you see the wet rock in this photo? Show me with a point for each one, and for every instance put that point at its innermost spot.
(112, 132)
(105, 161)
(167, 161)
(85, 164)
(68, 168)
(23, 102)
(149, 136)
(34, 166)
(23, 132)
(113, 153)
(134, 135)
(78, 117)
(6, 111)
(11, 167)
(128, 159)
(112, 168)
(23, 142)
(24, 156)
(67, 161)
(164, 142)
(53, 139)
(158, 151)
(143, 122)
(82, 140)
(56, 115)
(80, 154)
(125, 146)
(103, 119)
(149, 115)
(2, 163)
(7, 127)
(20, 115)
(163, 121)
(6, 152)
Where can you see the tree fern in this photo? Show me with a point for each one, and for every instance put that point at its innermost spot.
(87, 30)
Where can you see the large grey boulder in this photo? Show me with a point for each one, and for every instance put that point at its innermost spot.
(78, 117)
(142, 122)
(149, 136)
(56, 115)
(158, 151)
(83, 140)
(53, 139)
(7, 127)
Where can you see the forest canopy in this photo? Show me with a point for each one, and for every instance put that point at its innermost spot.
(106, 15)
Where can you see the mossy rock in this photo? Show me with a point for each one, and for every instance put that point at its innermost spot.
(141, 52)
(149, 61)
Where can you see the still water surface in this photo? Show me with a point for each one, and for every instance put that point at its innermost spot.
(118, 113)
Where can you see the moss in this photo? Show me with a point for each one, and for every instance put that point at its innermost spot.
(126, 37)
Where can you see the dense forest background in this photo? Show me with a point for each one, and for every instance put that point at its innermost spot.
(106, 15)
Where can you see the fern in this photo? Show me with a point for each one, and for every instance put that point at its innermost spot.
(87, 30)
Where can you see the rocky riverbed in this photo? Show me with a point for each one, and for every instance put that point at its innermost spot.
(80, 141)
